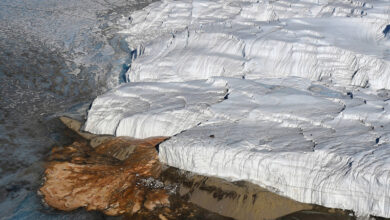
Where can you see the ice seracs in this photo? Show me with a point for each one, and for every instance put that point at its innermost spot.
(289, 95)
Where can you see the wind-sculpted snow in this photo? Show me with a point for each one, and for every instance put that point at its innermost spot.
(154, 109)
(311, 142)
(342, 41)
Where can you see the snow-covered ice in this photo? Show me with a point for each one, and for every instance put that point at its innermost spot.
(341, 40)
(310, 142)
(301, 140)
(290, 95)
(143, 110)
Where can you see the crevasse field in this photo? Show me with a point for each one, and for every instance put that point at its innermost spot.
(290, 95)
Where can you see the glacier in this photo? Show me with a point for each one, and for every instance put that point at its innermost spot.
(343, 41)
(290, 95)
(298, 138)
(144, 110)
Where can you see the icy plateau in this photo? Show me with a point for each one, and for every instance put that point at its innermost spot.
(290, 95)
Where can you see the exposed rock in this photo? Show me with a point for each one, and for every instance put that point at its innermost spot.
(74, 125)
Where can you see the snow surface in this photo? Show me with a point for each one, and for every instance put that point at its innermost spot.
(186, 40)
(290, 95)
(144, 110)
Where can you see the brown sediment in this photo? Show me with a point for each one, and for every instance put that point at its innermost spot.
(156, 197)
(239, 200)
(244, 200)
(81, 176)
(117, 175)
(178, 209)
(320, 213)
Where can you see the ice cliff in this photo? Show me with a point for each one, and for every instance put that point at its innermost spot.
(290, 95)
(143, 110)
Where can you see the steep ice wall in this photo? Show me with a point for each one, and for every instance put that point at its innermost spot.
(263, 91)
(301, 140)
(342, 41)
(313, 143)
(143, 110)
